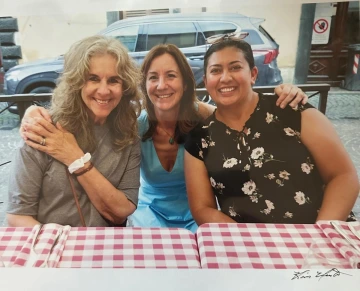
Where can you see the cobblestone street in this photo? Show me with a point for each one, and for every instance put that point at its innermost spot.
(343, 109)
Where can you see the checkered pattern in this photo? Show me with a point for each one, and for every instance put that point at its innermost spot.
(42, 247)
(338, 241)
(262, 246)
(11, 242)
(115, 247)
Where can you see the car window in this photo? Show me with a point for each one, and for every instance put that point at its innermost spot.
(213, 28)
(253, 37)
(126, 35)
(181, 34)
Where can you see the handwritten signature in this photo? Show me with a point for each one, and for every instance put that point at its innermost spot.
(332, 273)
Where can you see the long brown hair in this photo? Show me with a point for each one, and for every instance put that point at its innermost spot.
(188, 115)
(68, 107)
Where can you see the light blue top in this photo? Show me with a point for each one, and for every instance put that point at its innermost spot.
(163, 199)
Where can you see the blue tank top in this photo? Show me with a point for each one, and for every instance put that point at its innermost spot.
(163, 199)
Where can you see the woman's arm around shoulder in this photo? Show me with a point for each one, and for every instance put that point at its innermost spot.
(334, 164)
(29, 117)
(287, 93)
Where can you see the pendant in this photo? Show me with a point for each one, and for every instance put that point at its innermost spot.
(171, 140)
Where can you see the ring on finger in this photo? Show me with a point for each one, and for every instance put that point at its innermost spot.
(43, 142)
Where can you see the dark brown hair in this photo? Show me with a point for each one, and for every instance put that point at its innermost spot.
(188, 115)
(241, 45)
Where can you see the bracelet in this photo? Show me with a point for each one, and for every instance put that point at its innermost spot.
(79, 163)
(85, 170)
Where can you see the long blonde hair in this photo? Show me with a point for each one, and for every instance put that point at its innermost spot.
(68, 107)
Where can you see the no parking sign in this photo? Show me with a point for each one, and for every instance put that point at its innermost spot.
(321, 30)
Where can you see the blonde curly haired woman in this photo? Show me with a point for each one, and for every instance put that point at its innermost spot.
(92, 145)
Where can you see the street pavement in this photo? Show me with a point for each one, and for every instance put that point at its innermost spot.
(343, 110)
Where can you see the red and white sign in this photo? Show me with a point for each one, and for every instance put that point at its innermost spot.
(321, 30)
(356, 63)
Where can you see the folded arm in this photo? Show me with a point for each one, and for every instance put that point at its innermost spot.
(15, 220)
(110, 202)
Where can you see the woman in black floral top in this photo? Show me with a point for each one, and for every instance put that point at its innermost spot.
(262, 163)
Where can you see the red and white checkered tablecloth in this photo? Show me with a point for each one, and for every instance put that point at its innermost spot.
(101, 247)
(263, 246)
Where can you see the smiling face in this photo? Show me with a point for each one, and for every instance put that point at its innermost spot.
(102, 90)
(229, 78)
(164, 83)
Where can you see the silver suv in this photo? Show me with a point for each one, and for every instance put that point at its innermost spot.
(140, 34)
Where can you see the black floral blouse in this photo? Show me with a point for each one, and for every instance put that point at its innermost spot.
(263, 173)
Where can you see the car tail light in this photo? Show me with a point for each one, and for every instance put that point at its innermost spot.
(270, 56)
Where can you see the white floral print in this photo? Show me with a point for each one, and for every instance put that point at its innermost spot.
(285, 175)
(232, 212)
(257, 135)
(260, 157)
(269, 117)
(248, 131)
(279, 182)
(270, 206)
(212, 181)
(201, 154)
(258, 164)
(270, 176)
(249, 187)
(254, 199)
(290, 132)
(217, 185)
(288, 215)
(257, 153)
(300, 198)
(229, 163)
(228, 131)
(207, 126)
(247, 167)
(204, 144)
(305, 168)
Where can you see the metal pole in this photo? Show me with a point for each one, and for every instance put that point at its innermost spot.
(304, 43)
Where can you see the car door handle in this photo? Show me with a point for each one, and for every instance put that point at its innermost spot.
(196, 58)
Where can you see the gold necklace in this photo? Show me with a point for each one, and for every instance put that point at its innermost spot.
(171, 139)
